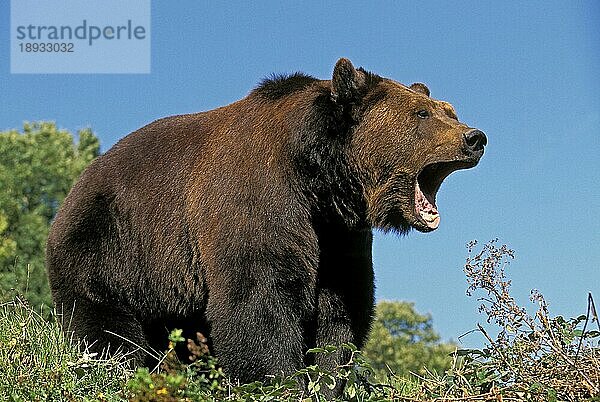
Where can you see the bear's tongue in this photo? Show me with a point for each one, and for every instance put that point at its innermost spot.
(426, 208)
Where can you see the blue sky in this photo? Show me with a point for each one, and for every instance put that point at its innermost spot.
(526, 73)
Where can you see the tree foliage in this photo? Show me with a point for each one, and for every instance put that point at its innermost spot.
(405, 341)
(37, 169)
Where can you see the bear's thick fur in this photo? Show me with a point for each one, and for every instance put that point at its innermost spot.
(252, 223)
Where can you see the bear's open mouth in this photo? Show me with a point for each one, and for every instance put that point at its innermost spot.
(427, 184)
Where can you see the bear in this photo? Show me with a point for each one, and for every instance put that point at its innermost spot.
(253, 223)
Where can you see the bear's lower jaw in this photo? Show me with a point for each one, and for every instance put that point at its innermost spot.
(424, 226)
(425, 209)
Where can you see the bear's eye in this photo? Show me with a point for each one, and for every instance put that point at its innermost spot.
(423, 114)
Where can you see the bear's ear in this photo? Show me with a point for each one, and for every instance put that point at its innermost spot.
(420, 88)
(347, 83)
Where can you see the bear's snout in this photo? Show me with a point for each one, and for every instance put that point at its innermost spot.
(475, 141)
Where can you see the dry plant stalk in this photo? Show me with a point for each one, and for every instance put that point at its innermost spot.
(536, 357)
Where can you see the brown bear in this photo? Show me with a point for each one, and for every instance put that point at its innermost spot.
(252, 223)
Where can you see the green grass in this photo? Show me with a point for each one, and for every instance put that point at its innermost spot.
(37, 362)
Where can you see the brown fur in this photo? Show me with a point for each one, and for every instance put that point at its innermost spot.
(250, 223)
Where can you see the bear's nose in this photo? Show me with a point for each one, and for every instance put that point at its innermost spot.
(475, 140)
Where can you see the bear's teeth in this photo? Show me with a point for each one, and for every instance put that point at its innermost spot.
(432, 219)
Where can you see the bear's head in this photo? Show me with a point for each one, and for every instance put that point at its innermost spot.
(403, 145)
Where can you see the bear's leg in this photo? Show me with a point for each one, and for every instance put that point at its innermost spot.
(258, 337)
(96, 325)
(333, 328)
